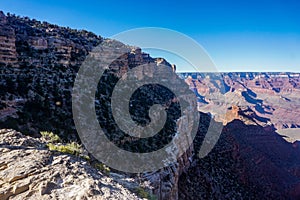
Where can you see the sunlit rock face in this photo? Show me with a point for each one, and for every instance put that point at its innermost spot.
(273, 96)
(30, 171)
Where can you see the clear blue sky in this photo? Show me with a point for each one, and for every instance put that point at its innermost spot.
(238, 35)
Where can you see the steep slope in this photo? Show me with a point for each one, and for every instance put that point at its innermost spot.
(36, 85)
(248, 162)
(38, 65)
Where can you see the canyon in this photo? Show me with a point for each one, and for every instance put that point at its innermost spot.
(272, 96)
(38, 65)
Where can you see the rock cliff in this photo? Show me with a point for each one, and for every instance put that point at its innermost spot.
(38, 65)
(37, 76)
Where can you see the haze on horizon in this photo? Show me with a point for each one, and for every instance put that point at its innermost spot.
(238, 35)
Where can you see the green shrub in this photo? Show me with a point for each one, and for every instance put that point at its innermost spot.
(103, 168)
(85, 157)
(141, 192)
(70, 148)
(51, 137)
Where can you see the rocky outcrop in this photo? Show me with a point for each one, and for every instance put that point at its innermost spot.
(164, 182)
(246, 115)
(8, 53)
(28, 170)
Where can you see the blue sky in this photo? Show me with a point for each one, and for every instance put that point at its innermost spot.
(238, 35)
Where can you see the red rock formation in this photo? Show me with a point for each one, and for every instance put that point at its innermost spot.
(269, 95)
